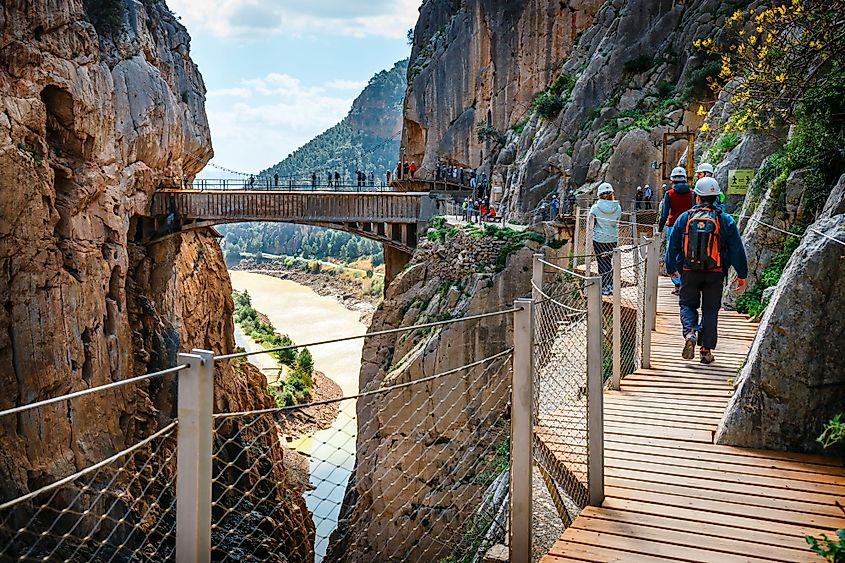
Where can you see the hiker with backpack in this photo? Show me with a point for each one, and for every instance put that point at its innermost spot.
(677, 199)
(606, 213)
(705, 242)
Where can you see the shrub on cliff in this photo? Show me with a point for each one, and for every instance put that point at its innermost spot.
(105, 15)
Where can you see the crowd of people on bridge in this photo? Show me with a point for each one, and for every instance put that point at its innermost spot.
(478, 210)
(462, 176)
(702, 244)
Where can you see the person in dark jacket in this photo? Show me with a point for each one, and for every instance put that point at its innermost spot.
(677, 199)
(702, 287)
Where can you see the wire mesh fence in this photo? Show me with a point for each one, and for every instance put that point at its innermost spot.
(416, 472)
(120, 509)
(561, 398)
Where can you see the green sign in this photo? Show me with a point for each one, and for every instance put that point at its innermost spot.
(738, 181)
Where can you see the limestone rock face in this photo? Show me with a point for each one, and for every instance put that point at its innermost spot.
(480, 63)
(793, 382)
(92, 124)
(424, 453)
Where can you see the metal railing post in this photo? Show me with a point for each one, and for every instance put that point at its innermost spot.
(576, 238)
(595, 390)
(193, 457)
(537, 277)
(521, 458)
(588, 246)
(650, 304)
(616, 378)
(655, 273)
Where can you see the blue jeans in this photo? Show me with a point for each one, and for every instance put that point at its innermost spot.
(677, 280)
(704, 290)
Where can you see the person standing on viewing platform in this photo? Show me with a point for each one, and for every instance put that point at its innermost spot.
(648, 193)
(406, 169)
(412, 168)
(398, 170)
(372, 179)
(313, 179)
(276, 180)
(704, 244)
(606, 213)
(678, 199)
(387, 177)
(329, 178)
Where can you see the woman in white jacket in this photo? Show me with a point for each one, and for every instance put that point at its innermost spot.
(606, 213)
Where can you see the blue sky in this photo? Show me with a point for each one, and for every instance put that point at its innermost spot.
(280, 72)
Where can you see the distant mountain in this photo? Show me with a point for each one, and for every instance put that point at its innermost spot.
(366, 139)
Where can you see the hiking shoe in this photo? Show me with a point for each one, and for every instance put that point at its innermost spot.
(706, 356)
(689, 345)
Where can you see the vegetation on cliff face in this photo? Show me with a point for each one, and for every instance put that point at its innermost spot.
(366, 139)
(296, 386)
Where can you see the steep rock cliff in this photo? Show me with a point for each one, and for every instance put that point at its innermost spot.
(92, 121)
(792, 383)
(621, 73)
(426, 453)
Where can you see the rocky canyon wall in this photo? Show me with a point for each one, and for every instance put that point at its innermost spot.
(622, 73)
(426, 453)
(93, 120)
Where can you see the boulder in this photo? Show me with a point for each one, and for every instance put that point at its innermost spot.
(629, 165)
(793, 381)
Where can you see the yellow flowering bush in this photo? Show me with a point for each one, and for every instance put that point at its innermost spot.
(771, 55)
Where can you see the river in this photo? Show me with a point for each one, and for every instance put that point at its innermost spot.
(306, 317)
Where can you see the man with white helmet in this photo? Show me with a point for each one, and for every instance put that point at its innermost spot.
(705, 170)
(705, 242)
(677, 199)
(606, 213)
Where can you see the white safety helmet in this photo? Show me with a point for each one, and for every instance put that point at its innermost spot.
(679, 174)
(605, 188)
(707, 186)
(705, 167)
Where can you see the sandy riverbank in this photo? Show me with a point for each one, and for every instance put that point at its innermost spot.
(347, 292)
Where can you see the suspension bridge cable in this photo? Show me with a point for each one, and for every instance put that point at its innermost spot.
(91, 390)
(379, 391)
(78, 474)
(367, 334)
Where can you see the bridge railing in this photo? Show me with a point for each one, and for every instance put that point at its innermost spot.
(262, 183)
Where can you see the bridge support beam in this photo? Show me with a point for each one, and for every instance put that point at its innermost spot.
(394, 261)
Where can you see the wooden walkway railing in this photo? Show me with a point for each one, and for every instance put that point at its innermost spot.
(673, 495)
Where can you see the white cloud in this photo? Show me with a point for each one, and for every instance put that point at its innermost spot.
(242, 19)
(356, 85)
(262, 120)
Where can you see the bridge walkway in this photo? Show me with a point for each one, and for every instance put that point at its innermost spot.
(674, 495)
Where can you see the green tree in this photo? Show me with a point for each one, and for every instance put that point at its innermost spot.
(304, 361)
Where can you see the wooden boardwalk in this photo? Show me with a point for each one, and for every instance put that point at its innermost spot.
(673, 495)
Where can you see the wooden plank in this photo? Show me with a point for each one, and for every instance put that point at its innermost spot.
(725, 546)
(725, 508)
(735, 452)
(754, 487)
(597, 554)
(726, 470)
(649, 547)
(783, 537)
(694, 515)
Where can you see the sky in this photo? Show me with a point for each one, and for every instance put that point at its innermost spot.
(279, 72)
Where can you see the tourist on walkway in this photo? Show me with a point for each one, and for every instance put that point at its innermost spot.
(571, 201)
(406, 170)
(705, 170)
(329, 178)
(412, 168)
(555, 205)
(387, 177)
(398, 170)
(648, 193)
(606, 213)
(372, 179)
(638, 198)
(251, 181)
(465, 209)
(313, 179)
(704, 244)
(678, 199)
